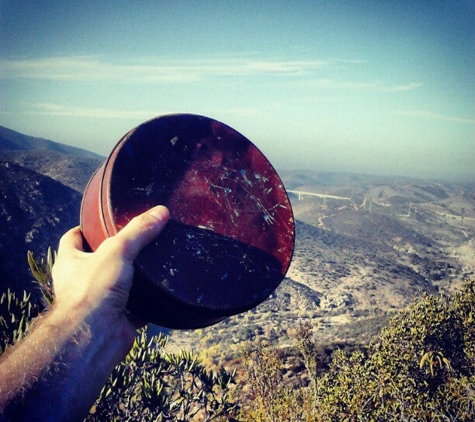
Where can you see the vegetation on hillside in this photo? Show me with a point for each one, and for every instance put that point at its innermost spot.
(422, 368)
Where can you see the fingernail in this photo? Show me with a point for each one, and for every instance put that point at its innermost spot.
(159, 212)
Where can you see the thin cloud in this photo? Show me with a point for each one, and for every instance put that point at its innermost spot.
(60, 110)
(430, 115)
(90, 68)
(168, 70)
(407, 87)
(150, 70)
(336, 84)
(248, 112)
(52, 109)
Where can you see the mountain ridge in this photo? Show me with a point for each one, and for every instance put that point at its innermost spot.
(41, 182)
(13, 140)
(69, 165)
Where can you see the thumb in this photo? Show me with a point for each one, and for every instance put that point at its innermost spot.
(141, 230)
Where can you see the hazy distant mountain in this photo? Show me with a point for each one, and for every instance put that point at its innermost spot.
(69, 165)
(41, 183)
(11, 140)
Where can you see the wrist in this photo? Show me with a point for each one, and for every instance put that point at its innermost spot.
(107, 328)
(68, 353)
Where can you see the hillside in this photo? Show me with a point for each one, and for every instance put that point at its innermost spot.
(365, 245)
(40, 194)
(11, 140)
(31, 218)
(68, 165)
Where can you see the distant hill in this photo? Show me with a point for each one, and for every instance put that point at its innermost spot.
(41, 183)
(11, 140)
(70, 166)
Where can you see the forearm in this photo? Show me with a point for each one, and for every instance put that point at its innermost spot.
(64, 361)
(56, 372)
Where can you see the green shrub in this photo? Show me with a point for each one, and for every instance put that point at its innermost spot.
(153, 385)
(264, 391)
(422, 368)
(16, 313)
(15, 317)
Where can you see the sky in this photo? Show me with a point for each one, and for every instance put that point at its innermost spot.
(377, 87)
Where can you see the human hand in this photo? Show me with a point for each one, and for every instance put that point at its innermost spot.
(100, 281)
(59, 368)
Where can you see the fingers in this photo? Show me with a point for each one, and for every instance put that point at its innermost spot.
(71, 241)
(141, 230)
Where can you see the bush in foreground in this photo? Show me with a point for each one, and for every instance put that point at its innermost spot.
(421, 369)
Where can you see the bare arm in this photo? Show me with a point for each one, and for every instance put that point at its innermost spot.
(57, 371)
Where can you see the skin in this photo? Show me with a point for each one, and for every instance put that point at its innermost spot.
(57, 371)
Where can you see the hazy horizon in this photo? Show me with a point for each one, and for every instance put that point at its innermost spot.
(322, 169)
(372, 87)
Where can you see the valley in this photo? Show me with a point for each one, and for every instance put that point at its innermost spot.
(365, 246)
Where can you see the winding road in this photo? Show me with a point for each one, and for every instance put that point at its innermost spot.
(321, 195)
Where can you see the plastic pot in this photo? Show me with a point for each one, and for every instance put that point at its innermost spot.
(230, 238)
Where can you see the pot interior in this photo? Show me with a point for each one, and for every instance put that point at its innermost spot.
(230, 239)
